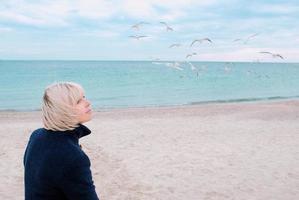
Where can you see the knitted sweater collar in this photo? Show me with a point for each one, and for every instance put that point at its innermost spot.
(81, 131)
(78, 132)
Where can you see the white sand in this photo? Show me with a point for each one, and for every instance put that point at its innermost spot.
(213, 152)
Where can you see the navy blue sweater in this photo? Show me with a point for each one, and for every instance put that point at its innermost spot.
(56, 167)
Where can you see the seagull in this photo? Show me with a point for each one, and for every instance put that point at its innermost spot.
(190, 55)
(248, 72)
(155, 59)
(193, 68)
(227, 68)
(246, 39)
(138, 25)
(200, 41)
(175, 65)
(274, 55)
(175, 45)
(236, 40)
(137, 37)
(157, 63)
(168, 28)
(249, 37)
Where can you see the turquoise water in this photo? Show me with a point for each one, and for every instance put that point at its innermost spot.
(114, 84)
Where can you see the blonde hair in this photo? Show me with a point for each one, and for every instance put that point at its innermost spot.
(58, 104)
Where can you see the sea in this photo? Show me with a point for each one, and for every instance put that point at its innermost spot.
(123, 84)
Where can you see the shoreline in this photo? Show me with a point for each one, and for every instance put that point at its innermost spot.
(203, 103)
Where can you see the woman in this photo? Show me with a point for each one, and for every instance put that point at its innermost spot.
(55, 166)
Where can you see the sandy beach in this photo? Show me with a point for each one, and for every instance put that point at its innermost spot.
(235, 151)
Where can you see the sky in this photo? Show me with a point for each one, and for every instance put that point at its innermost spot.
(101, 30)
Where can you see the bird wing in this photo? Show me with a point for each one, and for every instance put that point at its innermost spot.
(142, 36)
(278, 55)
(192, 66)
(253, 35)
(249, 37)
(136, 26)
(238, 39)
(193, 42)
(169, 28)
(266, 52)
(164, 23)
(174, 45)
(208, 39)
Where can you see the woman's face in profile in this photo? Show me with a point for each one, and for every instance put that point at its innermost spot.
(83, 108)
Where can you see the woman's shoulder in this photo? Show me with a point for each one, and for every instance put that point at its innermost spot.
(36, 133)
(65, 145)
(57, 147)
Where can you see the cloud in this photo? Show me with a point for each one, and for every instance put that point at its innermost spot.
(5, 29)
(62, 13)
(38, 14)
(271, 8)
(138, 9)
(94, 9)
(54, 13)
(20, 18)
(172, 15)
(101, 34)
(161, 10)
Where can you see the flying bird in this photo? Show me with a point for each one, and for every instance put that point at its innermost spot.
(138, 37)
(157, 63)
(274, 55)
(248, 72)
(200, 41)
(192, 67)
(155, 58)
(246, 39)
(190, 55)
(236, 40)
(168, 28)
(138, 25)
(250, 37)
(228, 67)
(195, 69)
(175, 45)
(175, 65)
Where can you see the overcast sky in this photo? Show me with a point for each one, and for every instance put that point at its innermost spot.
(100, 29)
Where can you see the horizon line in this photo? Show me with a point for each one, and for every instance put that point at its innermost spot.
(98, 60)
